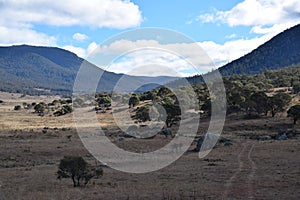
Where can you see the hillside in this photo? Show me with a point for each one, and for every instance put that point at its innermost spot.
(281, 51)
(34, 70)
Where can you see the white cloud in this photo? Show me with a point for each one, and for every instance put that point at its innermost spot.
(265, 16)
(257, 13)
(221, 54)
(231, 36)
(151, 56)
(94, 13)
(18, 19)
(15, 36)
(81, 52)
(80, 37)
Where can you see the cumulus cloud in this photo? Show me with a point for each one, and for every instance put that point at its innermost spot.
(19, 18)
(81, 52)
(129, 55)
(94, 13)
(80, 37)
(11, 35)
(169, 59)
(265, 16)
(257, 13)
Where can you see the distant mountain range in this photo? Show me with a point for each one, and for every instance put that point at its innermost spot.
(29, 69)
(35, 70)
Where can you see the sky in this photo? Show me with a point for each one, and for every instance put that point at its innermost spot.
(224, 30)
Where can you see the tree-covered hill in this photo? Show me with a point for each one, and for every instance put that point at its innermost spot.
(281, 51)
(34, 70)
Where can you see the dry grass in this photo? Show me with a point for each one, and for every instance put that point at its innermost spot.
(254, 169)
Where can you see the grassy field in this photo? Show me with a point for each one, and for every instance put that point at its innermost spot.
(248, 169)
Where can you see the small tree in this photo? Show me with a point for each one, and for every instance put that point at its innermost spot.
(173, 113)
(279, 102)
(142, 114)
(18, 107)
(134, 100)
(76, 168)
(294, 112)
(39, 108)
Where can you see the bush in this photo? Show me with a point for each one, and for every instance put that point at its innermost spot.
(39, 108)
(294, 112)
(134, 100)
(76, 168)
(18, 107)
(64, 110)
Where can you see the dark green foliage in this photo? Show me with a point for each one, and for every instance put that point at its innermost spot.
(150, 95)
(279, 102)
(134, 100)
(77, 169)
(296, 87)
(103, 100)
(294, 112)
(39, 108)
(64, 110)
(17, 107)
(173, 113)
(142, 113)
(258, 102)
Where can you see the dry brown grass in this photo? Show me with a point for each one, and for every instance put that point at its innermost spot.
(254, 169)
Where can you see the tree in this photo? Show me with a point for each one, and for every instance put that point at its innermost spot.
(294, 112)
(296, 87)
(76, 168)
(279, 102)
(105, 99)
(142, 114)
(134, 100)
(17, 107)
(64, 110)
(173, 113)
(39, 108)
(259, 102)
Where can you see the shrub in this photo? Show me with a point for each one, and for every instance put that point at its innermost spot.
(76, 168)
(294, 112)
(134, 100)
(64, 110)
(17, 107)
(39, 108)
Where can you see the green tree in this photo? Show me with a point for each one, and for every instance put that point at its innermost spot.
(296, 87)
(258, 102)
(173, 112)
(134, 100)
(142, 113)
(39, 108)
(105, 99)
(279, 102)
(294, 112)
(77, 169)
(17, 107)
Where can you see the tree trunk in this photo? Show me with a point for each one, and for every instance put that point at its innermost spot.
(273, 113)
(74, 182)
(78, 181)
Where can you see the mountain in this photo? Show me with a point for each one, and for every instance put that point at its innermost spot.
(34, 70)
(281, 51)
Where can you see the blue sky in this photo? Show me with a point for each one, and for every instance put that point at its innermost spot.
(225, 30)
